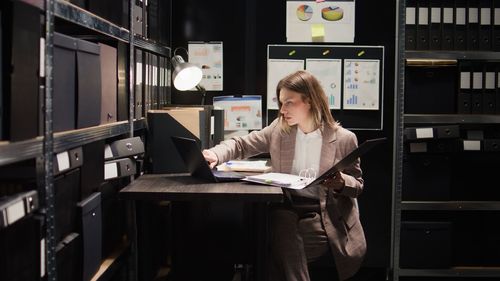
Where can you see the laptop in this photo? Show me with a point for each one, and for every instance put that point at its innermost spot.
(197, 165)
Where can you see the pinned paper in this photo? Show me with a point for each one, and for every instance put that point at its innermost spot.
(318, 32)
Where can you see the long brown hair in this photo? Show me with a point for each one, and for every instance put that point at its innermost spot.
(311, 92)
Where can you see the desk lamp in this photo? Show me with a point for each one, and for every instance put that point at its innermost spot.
(186, 76)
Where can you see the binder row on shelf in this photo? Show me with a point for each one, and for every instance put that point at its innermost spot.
(152, 82)
(120, 157)
(448, 139)
(478, 91)
(453, 25)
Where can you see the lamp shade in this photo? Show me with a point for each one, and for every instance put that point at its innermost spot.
(185, 75)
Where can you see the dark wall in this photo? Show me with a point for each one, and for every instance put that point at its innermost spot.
(246, 27)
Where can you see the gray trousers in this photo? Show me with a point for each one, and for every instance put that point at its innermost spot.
(297, 238)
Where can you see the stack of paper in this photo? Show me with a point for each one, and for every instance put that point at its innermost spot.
(245, 166)
(280, 179)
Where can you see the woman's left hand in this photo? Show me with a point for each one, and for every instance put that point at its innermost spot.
(336, 182)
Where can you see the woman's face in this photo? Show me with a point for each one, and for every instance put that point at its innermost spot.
(293, 108)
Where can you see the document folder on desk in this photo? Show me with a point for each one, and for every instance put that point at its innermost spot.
(298, 182)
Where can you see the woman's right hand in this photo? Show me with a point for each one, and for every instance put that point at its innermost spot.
(211, 158)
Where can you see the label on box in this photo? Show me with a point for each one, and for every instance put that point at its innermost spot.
(424, 133)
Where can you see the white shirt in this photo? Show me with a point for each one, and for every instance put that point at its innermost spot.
(307, 156)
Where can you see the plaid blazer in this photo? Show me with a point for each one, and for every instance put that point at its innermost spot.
(338, 210)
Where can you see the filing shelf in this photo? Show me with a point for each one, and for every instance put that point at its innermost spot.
(453, 55)
(453, 272)
(79, 16)
(11, 152)
(435, 58)
(451, 119)
(450, 205)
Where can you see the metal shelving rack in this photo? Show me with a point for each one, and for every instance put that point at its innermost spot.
(401, 119)
(42, 148)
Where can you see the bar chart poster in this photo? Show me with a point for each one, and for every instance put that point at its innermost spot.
(361, 84)
(329, 74)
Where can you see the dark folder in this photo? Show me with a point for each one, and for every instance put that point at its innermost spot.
(460, 25)
(411, 25)
(109, 82)
(64, 95)
(477, 90)
(68, 257)
(92, 171)
(473, 25)
(447, 41)
(139, 83)
(348, 160)
(489, 93)
(485, 27)
(435, 35)
(89, 84)
(464, 88)
(22, 66)
(496, 26)
(90, 227)
(423, 25)
(67, 194)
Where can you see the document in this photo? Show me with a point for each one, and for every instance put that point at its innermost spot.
(277, 69)
(259, 166)
(240, 113)
(280, 180)
(208, 56)
(361, 84)
(329, 73)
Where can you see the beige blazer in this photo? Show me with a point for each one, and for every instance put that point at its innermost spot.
(338, 210)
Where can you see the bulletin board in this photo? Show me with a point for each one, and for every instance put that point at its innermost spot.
(351, 76)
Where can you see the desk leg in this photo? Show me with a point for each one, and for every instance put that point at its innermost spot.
(262, 239)
(132, 236)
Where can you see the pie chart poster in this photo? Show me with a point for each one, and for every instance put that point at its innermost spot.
(327, 21)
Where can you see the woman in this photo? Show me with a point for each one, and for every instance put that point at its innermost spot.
(319, 220)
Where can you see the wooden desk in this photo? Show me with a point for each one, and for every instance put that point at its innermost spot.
(182, 188)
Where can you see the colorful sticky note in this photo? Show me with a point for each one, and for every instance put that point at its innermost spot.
(291, 53)
(361, 53)
(318, 32)
(326, 52)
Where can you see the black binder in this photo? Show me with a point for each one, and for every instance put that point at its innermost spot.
(472, 24)
(64, 97)
(447, 41)
(477, 90)
(92, 171)
(496, 26)
(497, 87)
(411, 25)
(69, 258)
(464, 88)
(126, 148)
(489, 93)
(22, 65)
(460, 25)
(67, 194)
(90, 227)
(435, 34)
(485, 27)
(423, 25)
(109, 82)
(139, 83)
(89, 84)
(20, 248)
